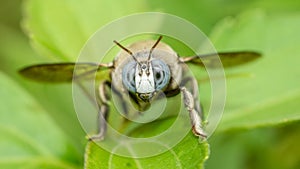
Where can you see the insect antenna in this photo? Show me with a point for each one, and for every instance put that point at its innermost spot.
(151, 50)
(127, 50)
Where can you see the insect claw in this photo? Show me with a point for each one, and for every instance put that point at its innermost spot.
(198, 133)
(98, 137)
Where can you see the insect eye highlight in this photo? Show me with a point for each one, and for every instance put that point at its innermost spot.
(157, 75)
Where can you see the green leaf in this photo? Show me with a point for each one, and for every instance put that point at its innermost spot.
(56, 100)
(189, 153)
(29, 139)
(59, 29)
(272, 95)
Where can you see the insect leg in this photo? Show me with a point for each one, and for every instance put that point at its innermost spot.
(194, 91)
(103, 111)
(122, 101)
(192, 104)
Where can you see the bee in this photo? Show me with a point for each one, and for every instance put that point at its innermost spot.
(141, 72)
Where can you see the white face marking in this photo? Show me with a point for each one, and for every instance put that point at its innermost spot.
(144, 82)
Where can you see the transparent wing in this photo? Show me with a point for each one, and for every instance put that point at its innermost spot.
(63, 72)
(228, 59)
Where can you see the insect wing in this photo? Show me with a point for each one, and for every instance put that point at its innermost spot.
(228, 59)
(61, 72)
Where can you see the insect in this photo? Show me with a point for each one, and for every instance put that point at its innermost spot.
(144, 71)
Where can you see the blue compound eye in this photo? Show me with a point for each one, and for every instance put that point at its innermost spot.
(161, 74)
(128, 76)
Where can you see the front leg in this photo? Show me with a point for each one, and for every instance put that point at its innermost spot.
(196, 120)
(103, 111)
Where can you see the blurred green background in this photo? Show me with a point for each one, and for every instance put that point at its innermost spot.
(260, 127)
